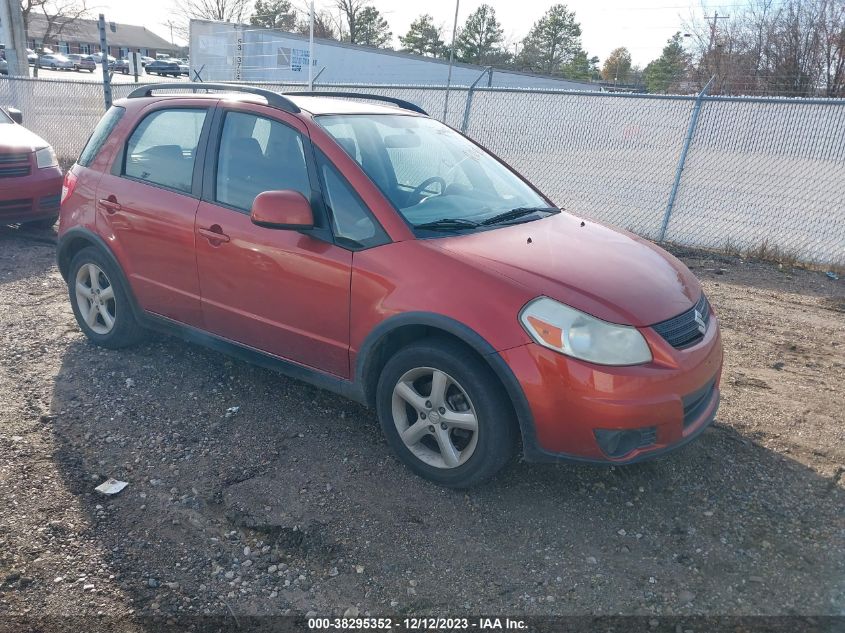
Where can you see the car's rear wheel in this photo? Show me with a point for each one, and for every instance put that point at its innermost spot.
(100, 302)
(444, 413)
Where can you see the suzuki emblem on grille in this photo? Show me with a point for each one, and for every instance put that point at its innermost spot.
(699, 321)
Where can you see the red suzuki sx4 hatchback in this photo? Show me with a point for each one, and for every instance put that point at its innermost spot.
(371, 250)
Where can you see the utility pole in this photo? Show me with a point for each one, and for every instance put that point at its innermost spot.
(14, 37)
(713, 27)
(715, 17)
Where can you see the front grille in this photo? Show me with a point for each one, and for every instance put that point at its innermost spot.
(14, 158)
(14, 165)
(14, 171)
(683, 330)
(11, 208)
(49, 203)
(696, 402)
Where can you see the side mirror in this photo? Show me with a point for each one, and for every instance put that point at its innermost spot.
(286, 209)
(16, 115)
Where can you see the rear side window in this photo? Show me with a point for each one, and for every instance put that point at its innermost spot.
(100, 135)
(163, 148)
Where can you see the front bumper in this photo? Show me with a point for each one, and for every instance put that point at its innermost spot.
(671, 400)
(30, 198)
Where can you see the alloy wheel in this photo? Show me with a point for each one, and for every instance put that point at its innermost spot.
(95, 298)
(435, 417)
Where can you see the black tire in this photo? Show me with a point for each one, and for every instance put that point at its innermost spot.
(45, 223)
(126, 330)
(497, 427)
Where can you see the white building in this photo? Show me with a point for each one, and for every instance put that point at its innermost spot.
(221, 51)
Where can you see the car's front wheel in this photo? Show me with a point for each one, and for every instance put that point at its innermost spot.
(100, 302)
(445, 414)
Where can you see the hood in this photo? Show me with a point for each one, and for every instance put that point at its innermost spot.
(611, 274)
(16, 138)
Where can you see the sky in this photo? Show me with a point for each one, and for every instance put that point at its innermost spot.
(643, 26)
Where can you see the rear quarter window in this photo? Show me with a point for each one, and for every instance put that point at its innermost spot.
(100, 135)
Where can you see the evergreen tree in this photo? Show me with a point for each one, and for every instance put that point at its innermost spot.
(373, 29)
(668, 69)
(423, 38)
(478, 41)
(552, 43)
(274, 14)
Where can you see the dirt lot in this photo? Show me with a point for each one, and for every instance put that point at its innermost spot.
(293, 504)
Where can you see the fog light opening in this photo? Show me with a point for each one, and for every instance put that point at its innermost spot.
(620, 443)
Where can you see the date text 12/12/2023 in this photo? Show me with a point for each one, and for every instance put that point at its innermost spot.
(427, 623)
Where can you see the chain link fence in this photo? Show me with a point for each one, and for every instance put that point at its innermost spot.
(760, 175)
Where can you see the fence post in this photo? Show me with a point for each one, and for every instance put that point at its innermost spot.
(104, 48)
(487, 71)
(696, 109)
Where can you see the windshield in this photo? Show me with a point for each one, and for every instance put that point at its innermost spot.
(4, 118)
(430, 172)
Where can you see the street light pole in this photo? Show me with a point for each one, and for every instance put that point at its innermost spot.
(451, 60)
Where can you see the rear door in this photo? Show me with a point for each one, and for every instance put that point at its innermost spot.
(279, 291)
(147, 205)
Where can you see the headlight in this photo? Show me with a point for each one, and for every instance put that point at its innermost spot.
(46, 157)
(577, 334)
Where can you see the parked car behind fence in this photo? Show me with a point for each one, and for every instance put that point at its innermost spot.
(164, 67)
(83, 62)
(55, 61)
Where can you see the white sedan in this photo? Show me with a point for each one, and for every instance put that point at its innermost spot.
(59, 62)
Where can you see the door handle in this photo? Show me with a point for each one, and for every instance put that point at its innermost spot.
(110, 204)
(214, 234)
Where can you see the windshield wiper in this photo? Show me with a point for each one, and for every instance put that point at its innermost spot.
(519, 212)
(446, 224)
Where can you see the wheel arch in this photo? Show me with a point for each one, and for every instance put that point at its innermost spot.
(77, 238)
(398, 331)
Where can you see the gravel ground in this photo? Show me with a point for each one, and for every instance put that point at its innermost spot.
(253, 494)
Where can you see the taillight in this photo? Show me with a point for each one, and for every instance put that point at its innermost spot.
(68, 185)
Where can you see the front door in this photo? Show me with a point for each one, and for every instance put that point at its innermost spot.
(279, 291)
(146, 208)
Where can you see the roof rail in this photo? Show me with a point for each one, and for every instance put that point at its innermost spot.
(405, 105)
(274, 99)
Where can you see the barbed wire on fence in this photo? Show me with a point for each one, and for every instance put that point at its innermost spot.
(761, 172)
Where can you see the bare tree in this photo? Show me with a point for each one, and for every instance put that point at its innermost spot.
(778, 47)
(832, 55)
(324, 26)
(57, 15)
(351, 11)
(236, 11)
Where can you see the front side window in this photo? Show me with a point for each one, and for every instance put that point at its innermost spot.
(258, 154)
(163, 148)
(352, 224)
(428, 171)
